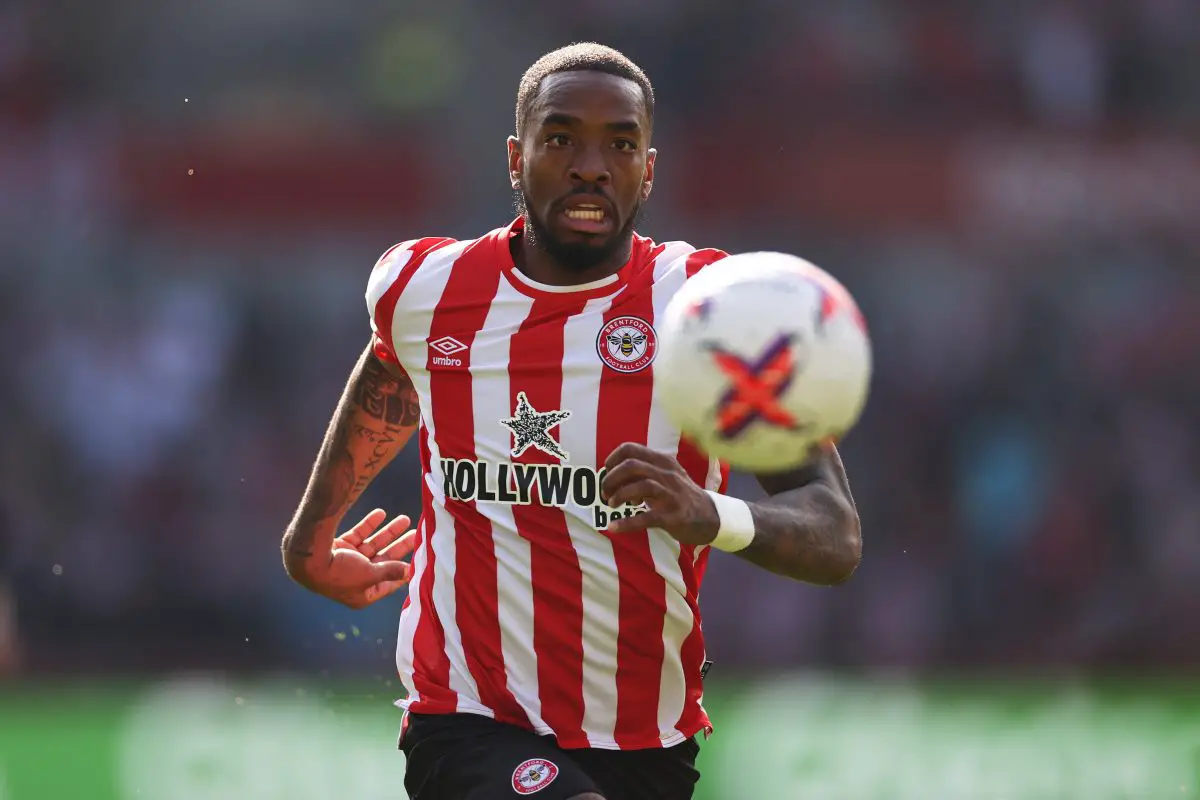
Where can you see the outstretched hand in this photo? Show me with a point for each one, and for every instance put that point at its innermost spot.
(637, 475)
(365, 564)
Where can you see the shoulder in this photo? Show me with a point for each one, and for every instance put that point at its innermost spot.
(395, 268)
(423, 265)
(681, 259)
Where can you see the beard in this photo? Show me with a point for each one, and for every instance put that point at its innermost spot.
(575, 256)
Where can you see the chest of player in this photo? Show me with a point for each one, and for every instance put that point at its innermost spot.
(552, 379)
(517, 341)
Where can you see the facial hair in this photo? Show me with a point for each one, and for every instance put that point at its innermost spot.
(578, 256)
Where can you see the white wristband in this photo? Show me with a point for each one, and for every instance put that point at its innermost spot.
(737, 523)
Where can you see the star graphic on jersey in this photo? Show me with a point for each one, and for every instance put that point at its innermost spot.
(531, 428)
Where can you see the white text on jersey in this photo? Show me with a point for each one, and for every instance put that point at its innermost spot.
(556, 485)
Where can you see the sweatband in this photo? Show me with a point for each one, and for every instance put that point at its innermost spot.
(737, 523)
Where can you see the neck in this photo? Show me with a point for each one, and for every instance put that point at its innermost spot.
(539, 265)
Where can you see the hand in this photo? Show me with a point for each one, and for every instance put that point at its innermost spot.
(365, 564)
(635, 474)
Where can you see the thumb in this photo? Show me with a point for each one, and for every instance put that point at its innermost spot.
(391, 571)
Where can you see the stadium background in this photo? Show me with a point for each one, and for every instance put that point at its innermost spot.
(192, 194)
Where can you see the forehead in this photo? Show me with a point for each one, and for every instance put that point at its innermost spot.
(589, 95)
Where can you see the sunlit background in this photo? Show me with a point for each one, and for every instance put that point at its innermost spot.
(193, 193)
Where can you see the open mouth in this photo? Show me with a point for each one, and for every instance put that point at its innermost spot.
(587, 218)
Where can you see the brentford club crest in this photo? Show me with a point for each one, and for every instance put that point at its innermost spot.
(534, 775)
(627, 344)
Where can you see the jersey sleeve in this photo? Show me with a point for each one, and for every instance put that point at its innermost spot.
(701, 258)
(382, 297)
(386, 291)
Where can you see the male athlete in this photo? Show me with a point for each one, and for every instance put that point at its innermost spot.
(550, 643)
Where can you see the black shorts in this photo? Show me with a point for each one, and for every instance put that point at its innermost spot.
(472, 757)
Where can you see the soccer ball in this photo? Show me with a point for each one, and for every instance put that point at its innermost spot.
(762, 357)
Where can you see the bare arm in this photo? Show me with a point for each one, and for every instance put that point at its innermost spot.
(375, 418)
(808, 529)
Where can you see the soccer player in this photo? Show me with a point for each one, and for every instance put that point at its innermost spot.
(551, 641)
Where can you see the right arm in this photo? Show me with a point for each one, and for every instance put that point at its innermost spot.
(377, 415)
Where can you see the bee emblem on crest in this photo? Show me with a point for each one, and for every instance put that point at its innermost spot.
(627, 344)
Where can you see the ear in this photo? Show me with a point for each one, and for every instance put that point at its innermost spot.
(648, 175)
(516, 162)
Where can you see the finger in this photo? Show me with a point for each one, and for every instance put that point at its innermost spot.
(638, 492)
(626, 472)
(401, 548)
(391, 571)
(384, 536)
(633, 450)
(382, 590)
(638, 522)
(627, 451)
(355, 536)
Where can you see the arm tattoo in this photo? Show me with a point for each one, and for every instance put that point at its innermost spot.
(386, 398)
(329, 495)
(376, 416)
(808, 529)
(382, 448)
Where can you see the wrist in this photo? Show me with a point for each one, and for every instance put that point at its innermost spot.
(735, 530)
(299, 559)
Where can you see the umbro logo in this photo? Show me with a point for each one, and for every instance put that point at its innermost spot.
(446, 346)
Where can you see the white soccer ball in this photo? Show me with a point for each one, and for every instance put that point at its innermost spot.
(761, 357)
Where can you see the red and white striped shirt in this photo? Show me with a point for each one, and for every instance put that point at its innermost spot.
(522, 606)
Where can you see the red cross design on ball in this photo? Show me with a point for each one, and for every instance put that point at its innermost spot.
(756, 387)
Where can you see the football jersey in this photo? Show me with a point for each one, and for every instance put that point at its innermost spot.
(522, 606)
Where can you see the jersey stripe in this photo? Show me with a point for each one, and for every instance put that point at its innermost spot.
(536, 355)
(425, 650)
(493, 441)
(642, 593)
(680, 617)
(475, 636)
(583, 371)
(708, 473)
(699, 259)
(691, 654)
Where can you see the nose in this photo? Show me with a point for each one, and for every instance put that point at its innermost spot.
(589, 166)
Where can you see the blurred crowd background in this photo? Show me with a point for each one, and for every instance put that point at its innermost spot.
(192, 196)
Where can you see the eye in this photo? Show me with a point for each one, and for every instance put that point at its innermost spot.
(626, 145)
(558, 140)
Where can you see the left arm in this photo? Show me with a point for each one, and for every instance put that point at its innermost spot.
(807, 529)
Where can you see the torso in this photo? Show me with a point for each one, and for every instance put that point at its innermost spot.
(522, 606)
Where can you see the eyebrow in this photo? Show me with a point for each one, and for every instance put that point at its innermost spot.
(568, 120)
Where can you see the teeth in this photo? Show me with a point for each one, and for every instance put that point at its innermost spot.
(582, 212)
